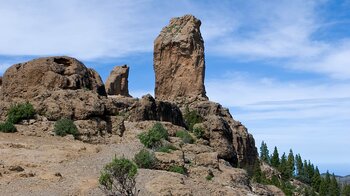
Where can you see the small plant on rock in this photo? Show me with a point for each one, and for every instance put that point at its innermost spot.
(20, 112)
(152, 138)
(145, 159)
(119, 178)
(185, 137)
(7, 127)
(177, 169)
(198, 132)
(192, 118)
(166, 148)
(65, 126)
(210, 175)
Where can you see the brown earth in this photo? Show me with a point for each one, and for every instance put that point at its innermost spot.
(37, 163)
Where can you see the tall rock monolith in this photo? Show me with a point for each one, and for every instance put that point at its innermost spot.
(117, 82)
(179, 60)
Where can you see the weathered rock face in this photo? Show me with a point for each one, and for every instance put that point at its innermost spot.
(179, 60)
(30, 79)
(117, 82)
(226, 135)
(150, 109)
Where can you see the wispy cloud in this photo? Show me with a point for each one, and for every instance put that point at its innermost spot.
(290, 114)
(244, 30)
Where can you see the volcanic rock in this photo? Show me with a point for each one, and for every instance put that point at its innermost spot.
(30, 79)
(150, 109)
(117, 82)
(179, 60)
(225, 134)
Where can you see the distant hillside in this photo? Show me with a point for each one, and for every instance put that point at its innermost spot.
(341, 179)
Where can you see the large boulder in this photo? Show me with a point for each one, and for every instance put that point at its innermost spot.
(148, 108)
(30, 79)
(179, 60)
(117, 82)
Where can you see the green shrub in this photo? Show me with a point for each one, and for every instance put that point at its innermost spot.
(145, 159)
(209, 177)
(198, 132)
(185, 137)
(65, 126)
(7, 127)
(177, 169)
(20, 112)
(192, 118)
(166, 148)
(153, 137)
(118, 177)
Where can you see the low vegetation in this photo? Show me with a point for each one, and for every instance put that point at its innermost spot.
(166, 148)
(198, 132)
(119, 178)
(18, 112)
(185, 137)
(64, 127)
(210, 175)
(177, 169)
(7, 127)
(145, 159)
(154, 136)
(191, 118)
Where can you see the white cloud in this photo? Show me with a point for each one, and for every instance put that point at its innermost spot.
(309, 117)
(94, 29)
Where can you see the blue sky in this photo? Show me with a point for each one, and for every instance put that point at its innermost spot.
(281, 67)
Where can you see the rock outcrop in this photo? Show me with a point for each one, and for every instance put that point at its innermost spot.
(117, 82)
(150, 109)
(179, 67)
(0, 82)
(179, 60)
(30, 79)
(225, 134)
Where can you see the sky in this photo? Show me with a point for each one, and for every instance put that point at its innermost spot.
(282, 67)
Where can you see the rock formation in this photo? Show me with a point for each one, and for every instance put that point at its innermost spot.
(117, 82)
(30, 79)
(0, 82)
(62, 87)
(179, 60)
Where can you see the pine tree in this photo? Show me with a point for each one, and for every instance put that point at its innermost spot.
(257, 173)
(325, 185)
(306, 178)
(264, 153)
(290, 164)
(316, 180)
(275, 159)
(334, 187)
(299, 166)
(283, 167)
(345, 190)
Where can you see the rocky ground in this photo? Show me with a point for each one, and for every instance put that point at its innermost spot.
(43, 164)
